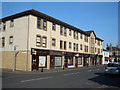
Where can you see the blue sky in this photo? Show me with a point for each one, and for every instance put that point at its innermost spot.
(102, 17)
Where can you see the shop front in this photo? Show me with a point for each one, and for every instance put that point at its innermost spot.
(39, 59)
(55, 59)
(86, 60)
(68, 62)
(92, 59)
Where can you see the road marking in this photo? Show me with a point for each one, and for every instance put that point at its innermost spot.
(68, 74)
(35, 79)
(89, 70)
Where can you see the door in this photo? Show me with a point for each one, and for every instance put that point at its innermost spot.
(52, 62)
(66, 62)
(35, 62)
(76, 62)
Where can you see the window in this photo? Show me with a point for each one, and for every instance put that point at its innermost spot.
(70, 45)
(65, 32)
(95, 50)
(61, 44)
(53, 26)
(65, 45)
(85, 48)
(74, 34)
(74, 46)
(3, 41)
(44, 41)
(69, 32)
(77, 35)
(38, 23)
(80, 46)
(61, 30)
(44, 24)
(11, 40)
(79, 60)
(80, 35)
(38, 40)
(11, 23)
(53, 42)
(4, 26)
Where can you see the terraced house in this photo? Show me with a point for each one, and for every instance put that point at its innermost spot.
(31, 40)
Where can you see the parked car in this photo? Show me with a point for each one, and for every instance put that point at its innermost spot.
(112, 68)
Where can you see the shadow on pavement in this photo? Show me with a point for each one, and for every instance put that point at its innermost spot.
(108, 80)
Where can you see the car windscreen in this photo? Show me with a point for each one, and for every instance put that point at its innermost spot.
(112, 65)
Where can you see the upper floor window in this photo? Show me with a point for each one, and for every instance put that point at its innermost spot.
(76, 35)
(38, 40)
(80, 46)
(80, 35)
(70, 45)
(53, 26)
(61, 42)
(4, 26)
(65, 32)
(11, 40)
(61, 30)
(3, 41)
(44, 24)
(38, 22)
(44, 41)
(70, 32)
(74, 45)
(65, 45)
(86, 38)
(99, 43)
(53, 42)
(11, 23)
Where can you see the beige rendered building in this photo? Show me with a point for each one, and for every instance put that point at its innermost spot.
(31, 40)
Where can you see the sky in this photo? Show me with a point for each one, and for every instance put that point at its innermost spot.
(102, 17)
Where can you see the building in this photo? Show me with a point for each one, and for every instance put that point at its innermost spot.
(105, 59)
(31, 40)
(114, 52)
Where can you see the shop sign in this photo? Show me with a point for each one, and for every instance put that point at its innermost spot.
(42, 61)
(55, 53)
(77, 55)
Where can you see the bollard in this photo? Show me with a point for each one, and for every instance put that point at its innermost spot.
(42, 69)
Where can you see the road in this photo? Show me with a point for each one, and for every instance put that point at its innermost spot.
(91, 77)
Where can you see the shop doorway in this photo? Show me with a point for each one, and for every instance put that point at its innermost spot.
(52, 62)
(35, 62)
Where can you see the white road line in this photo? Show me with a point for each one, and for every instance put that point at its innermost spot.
(68, 74)
(35, 79)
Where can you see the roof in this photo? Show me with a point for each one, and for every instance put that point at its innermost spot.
(89, 32)
(46, 17)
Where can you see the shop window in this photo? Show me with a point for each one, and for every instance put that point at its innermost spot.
(70, 32)
(38, 41)
(79, 60)
(38, 22)
(61, 30)
(70, 45)
(53, 42)
(42, 61)
(70, 61)
(44, 42)
(11, 40)
(3, 42)
(65, 45)
(53, 26)
(61, 44)
(4, 26)
(12, 23)
(44, 24)
(65, 32)
(58, 61)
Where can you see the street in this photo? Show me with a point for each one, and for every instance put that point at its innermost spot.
(86, 77)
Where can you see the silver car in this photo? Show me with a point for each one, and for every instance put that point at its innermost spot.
(112, 68)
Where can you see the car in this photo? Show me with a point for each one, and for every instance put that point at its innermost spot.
(112, 68)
